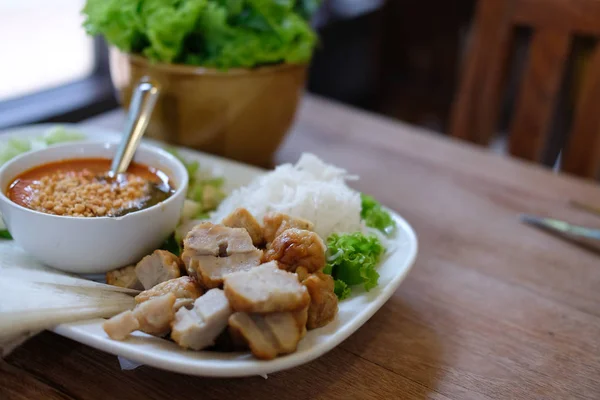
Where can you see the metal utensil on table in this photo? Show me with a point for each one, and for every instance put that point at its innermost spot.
(141, 107)
(581, 236)
(561, 227)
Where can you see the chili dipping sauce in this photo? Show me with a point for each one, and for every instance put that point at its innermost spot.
(81, 188)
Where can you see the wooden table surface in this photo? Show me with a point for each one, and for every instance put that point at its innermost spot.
(493, 309)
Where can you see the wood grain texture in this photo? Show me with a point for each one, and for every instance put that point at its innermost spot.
(539, 86)
(576, 16)
(554, 23)
(475, 109)
(493, 309)
(582, 154)
(16, 384)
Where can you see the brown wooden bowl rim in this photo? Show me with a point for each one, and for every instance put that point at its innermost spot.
(198, 70)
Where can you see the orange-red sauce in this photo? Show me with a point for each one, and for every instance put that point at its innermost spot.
(27, 186)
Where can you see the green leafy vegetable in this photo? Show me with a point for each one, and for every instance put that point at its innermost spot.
(375, 216)
(191, 166)
(60, 134)
(172, 245)
(16, 145)
(215, 33)
(5, 234)
(341, 290)
(352, 259)
(205, 193)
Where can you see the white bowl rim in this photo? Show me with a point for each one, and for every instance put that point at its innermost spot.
(101, 144)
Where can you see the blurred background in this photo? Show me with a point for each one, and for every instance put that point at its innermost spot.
(397, 58)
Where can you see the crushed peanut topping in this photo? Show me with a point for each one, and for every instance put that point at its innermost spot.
(82, 194)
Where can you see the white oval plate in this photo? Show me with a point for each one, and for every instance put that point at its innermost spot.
(161, 353)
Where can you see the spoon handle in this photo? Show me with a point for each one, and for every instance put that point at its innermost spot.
(140, 109)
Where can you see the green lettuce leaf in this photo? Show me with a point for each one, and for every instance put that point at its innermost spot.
(167, 23)
(16, 145)
(353, 258)
(191, 166)
(375, 216)
(341, 290)
(172, 245)
(60, 134)
(215, 33)
(206, 192)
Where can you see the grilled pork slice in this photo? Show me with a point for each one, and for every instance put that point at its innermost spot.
(120, 326)
(217, 240)
(274, 223)
(213, 251)
(295, 248)
(323, 301)
(124, 277)
(269, 335)
(186, 289)
(157, 267)
(241, 218)
(199, 327)
(211, 270)
(264, 289)
(153, 316)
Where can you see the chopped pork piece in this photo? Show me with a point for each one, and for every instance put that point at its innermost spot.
(120, 326)
(153, 316)
(199, 327)
(211, 270)
(186, 289)
(241, 218)
(295, 248)
(323, 301)
(124, 277)
(265, 288)
(213, 251)
(275, 223)
(269, 335)
(158, 267)
(217, 240)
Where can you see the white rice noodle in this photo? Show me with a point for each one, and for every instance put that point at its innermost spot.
(311, 189)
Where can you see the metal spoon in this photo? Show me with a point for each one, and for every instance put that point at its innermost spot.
(140, 109)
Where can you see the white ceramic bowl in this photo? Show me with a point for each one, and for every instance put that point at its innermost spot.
(92, 245)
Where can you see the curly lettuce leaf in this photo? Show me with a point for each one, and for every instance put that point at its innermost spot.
(353, 258)
(341, 290)
(375, 216)
(167, 23)
(215, 33)
(119, 21)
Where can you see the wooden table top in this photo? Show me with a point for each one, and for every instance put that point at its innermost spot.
(493, 309)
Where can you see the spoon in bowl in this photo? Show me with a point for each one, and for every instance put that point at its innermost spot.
(138, 117)
(140, 109)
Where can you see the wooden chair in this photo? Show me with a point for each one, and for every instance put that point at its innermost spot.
(554, 24)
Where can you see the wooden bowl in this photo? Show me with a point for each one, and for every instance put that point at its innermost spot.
(242, 114)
